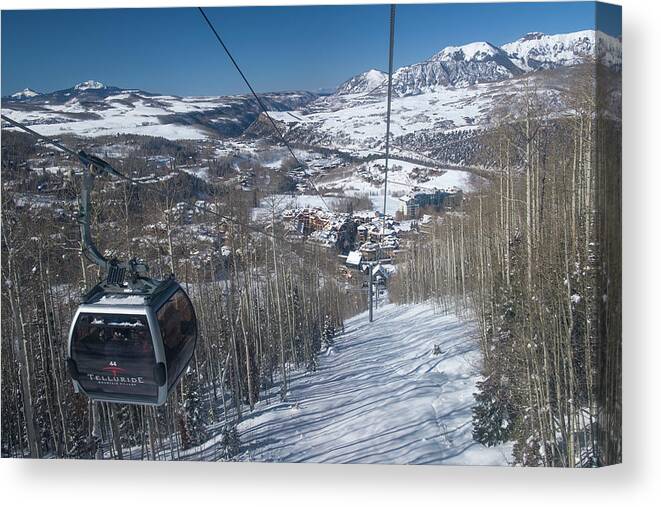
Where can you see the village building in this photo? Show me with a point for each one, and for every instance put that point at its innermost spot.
(376, 234)
(388, 246)
(440, 199)
(365, 216)
(369, 251)
(360, 235)
(354, 259)
(323, 227)
(380, 274)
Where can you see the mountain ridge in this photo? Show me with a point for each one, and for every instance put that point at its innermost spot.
(93, 109)
(483, 62)
(456, 89)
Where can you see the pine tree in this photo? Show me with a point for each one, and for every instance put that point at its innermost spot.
(231, 445)
(194, 430)
(492, 417)
(328, 336)
(313, 362)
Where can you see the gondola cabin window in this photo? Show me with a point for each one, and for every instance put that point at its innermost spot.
(176, 319)
(114, 354)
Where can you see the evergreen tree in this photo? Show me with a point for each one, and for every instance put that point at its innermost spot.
(231, 445)
(193, 430)
(493, 414)
(492, 418)
(328, 335)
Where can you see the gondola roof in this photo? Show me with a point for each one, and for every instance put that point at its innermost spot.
(119, 299)
(150, 293)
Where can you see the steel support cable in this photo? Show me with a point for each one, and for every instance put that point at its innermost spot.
(259, 101)
(40, 136)
(87, 159)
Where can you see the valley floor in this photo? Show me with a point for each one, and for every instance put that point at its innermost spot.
(380, 395)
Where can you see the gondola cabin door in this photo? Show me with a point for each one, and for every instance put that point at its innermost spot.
(178, 327)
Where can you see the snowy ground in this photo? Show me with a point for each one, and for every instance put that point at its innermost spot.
(359, 121)
(141, 116)
(400, 181)
(380, 396)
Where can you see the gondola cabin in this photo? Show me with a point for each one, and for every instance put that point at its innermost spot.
(132, 346)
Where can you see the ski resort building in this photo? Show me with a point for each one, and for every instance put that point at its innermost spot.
(354, 259)
(440, 199)
(360, 235)
(369, 251)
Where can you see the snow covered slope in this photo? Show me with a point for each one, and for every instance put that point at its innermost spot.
(357, 122)
(380, 395)
(93, 109)
(403, 177)
(439, 101)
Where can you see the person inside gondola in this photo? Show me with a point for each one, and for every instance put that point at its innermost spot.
(93, 337)
(141, 343)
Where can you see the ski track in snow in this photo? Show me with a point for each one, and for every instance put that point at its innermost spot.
(380, 396)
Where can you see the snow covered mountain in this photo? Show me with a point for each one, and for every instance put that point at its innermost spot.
(93, 109)
(26, 93)
(89, 85)
(451, 94)
(454, 66)
(536, 50)
(483, 62)
(87, 91)
(479, 62)
(366, 82)
(441, 104)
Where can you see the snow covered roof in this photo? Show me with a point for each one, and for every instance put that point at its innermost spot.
(379, 270)
(369, 247)
(120, 299)
(354, 258)
(366, 214)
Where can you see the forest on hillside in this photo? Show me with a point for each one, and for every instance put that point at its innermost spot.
(265, 306)
(535, 259)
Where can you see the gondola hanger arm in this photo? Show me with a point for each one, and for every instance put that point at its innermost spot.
(114, 269)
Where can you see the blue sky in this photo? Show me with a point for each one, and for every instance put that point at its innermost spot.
(279, 48)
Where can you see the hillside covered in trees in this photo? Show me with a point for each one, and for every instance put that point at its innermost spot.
(536, 260)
